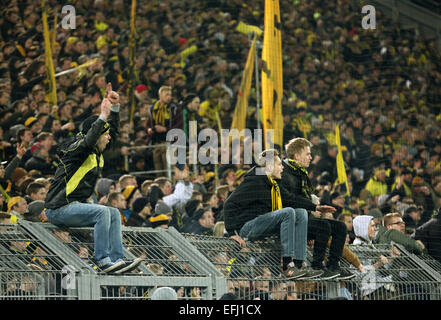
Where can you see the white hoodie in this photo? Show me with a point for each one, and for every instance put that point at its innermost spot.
(361, 229)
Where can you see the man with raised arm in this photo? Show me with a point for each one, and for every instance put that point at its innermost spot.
(80, 165)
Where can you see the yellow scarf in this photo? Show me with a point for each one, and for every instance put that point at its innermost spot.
(276, 197)
(160, 113)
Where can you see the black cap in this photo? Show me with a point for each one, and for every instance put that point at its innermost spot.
(87, 124)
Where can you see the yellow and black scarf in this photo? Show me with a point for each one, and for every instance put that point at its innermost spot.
(307, 188)
(160, 113)
(276, 197)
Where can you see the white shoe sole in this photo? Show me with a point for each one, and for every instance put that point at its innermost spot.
(114, 267)
(130, 267)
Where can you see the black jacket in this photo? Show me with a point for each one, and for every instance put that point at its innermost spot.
(430, 234)
(38, 163)
(80, 166)
(293, 180)
(251, 199)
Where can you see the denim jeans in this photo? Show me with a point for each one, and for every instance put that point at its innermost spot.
(291, 224)
(106, 222)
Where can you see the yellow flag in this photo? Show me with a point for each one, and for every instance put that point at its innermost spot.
(341, 172)
(186, 53)
(51, 88)
(247, 28)
(132, 67)
(272, 74)
(240, 112)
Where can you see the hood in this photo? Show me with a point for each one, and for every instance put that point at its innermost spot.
(361, 227)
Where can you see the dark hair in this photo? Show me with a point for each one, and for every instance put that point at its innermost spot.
(20, 133)
(33, 187)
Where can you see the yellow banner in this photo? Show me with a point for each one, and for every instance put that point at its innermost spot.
(132, 67)
(341, 171)
(240, 112)
(272, 74)
(51, 88)
(247, 28)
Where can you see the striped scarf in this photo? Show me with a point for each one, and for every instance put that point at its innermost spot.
(160, 113)
(276, 197)
(307, 188)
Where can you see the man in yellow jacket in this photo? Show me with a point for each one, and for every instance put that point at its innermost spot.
(377, 185)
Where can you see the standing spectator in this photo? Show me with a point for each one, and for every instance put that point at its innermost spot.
(72, 186)
(165, 116)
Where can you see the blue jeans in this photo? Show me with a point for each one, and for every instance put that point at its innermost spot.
(106, 222)
(291, 224)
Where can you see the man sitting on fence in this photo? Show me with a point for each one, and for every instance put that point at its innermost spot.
(81, 162)
(258, 208)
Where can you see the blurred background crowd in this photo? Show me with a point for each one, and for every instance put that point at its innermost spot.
(382, 86)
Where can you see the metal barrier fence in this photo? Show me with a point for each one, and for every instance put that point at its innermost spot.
(58, 263)
(41, 261)
(254, 272)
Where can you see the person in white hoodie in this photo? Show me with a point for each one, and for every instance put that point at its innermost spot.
(365, 231)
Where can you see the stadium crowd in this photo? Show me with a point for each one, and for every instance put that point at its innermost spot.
(382, 87)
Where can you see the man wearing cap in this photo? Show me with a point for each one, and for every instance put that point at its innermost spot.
(35, 212)
(81, 162)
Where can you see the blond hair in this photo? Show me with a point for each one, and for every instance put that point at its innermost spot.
(295, 146)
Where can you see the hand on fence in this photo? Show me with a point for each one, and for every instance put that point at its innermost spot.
(239, 240)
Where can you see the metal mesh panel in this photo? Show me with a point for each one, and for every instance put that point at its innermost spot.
(28, 268)
(254, 271)
(34, 256)
(164, 264)
(391, 273)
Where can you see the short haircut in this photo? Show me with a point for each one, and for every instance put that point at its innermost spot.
(123, 180)
(43, 136)
(145, 183)
(265, 155)
(388, 218)
(21, 132)
(113, 196)
(295, 146)
(164, 89)
(33, 187)
(161, 181)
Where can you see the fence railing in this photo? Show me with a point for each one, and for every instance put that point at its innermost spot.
(41, 261)
(254, 271)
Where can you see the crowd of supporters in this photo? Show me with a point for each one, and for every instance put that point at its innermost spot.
(382, 87)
